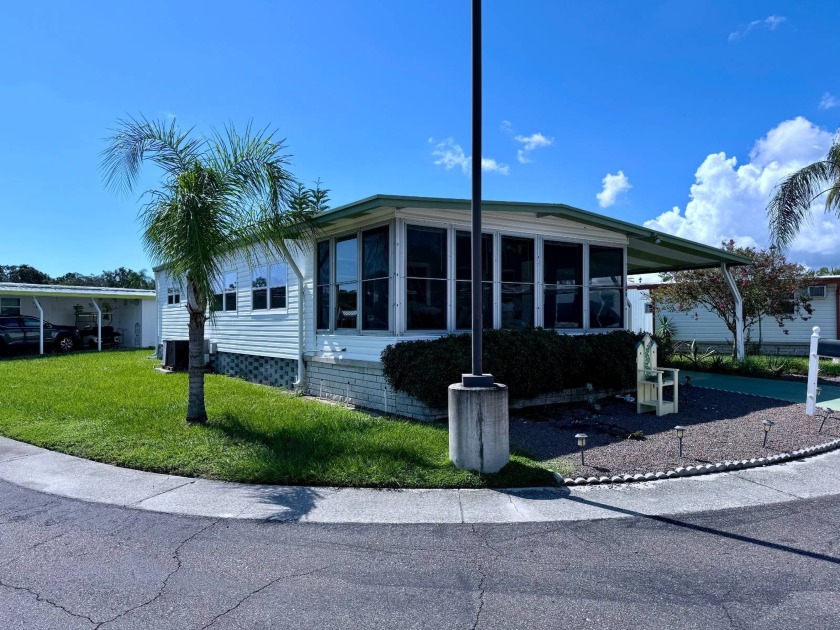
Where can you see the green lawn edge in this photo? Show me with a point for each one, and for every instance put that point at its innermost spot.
(114, 408)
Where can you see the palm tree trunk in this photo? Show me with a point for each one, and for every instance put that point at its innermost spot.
(196, 412)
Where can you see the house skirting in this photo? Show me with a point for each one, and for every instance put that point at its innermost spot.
(362, 384)
(358, 383)
(767, 347)
(263, 370)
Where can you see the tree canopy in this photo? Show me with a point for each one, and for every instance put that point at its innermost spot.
(771, 287)
(122, 277)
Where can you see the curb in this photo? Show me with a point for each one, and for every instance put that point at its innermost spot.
(703, 469)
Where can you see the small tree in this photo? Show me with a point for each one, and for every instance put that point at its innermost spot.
(770, 287)
(218, 193)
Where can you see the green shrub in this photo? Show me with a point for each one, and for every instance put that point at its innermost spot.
(530, 362)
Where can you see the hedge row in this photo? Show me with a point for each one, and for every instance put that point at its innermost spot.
(530, 362)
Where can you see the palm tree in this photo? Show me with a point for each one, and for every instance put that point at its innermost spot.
(791, 205)
(218, 193)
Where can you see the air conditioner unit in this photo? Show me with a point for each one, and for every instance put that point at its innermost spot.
(176, 354)
(816, 291)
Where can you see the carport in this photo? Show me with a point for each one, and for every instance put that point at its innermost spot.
(134, 309)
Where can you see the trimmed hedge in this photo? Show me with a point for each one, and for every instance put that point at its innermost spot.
(530, 362)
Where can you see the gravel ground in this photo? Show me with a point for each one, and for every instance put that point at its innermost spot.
(719, 425)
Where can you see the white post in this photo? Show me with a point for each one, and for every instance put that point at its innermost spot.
(739, 311)
(813, 370)
(41, 324)
(98, 325)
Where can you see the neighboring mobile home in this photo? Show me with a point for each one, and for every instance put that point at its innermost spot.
(390, 268)
(794, 338)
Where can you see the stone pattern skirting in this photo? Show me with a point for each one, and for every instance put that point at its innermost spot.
(361, 383)
(263, 370)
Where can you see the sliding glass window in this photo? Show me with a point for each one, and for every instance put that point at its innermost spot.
(376, 302)
(606, 287)
(426, 258)
(346, 282)
(562, 285)
(517, 282)
(463, 280)
(322, 305)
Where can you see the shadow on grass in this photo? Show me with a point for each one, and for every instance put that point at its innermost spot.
(351, 454)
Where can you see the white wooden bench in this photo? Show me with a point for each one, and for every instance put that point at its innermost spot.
(652, 380)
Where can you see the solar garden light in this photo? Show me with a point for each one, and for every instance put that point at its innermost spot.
(826, 415)
(581, 440)
(680, 433)
(767, 426)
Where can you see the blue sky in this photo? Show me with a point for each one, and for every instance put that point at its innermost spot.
(373, 97)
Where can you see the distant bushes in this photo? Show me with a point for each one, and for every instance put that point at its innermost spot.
(530, 362)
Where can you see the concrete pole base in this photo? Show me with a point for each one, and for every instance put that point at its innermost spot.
(479, 439)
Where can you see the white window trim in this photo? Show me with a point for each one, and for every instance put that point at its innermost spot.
(280, 310)
(392, 281)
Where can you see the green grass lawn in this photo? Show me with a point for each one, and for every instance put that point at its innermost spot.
(113, 407)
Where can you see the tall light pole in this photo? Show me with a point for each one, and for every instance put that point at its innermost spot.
(477, 378)
(479, 438)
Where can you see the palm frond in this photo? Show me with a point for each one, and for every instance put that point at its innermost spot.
(790, 207)
(137, 139)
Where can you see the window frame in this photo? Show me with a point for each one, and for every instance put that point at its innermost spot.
(173, 295)
(220, 289)
(267, 267)
(3, 307)
(331, 240)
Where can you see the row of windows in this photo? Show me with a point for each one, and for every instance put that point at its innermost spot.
(268, 290)
(10, 306)
(582, 286)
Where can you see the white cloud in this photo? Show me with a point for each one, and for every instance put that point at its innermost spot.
(828, 101)
(730, 201)
(169, 115)
(449, 154)
(534, 141)
(506, 126)
(614, 185)
(770, 23)
(489, 164)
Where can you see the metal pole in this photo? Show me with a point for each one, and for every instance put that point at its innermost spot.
(40, 326)
(98, 324)
(477, 320)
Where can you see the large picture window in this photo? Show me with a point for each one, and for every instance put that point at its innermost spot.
(322, 297)
(463, 280)
(426, 263)
(606, 287)
(562, 285)
(517, 282)
(268, 287)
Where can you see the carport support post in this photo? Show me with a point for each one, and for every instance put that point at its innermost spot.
(40, 324)
(739, 311)
(98, 325)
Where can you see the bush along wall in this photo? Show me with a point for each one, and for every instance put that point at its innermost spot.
(531, 362)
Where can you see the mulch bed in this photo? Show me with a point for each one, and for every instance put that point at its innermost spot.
(719, 426)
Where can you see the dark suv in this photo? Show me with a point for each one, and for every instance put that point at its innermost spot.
(22, 332)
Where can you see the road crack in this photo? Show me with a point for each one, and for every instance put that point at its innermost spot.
(176, 555)
(259, 590)
(41, 598)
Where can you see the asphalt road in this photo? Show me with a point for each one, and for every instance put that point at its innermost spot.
(68, 564)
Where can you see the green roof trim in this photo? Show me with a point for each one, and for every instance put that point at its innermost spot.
(671, 253)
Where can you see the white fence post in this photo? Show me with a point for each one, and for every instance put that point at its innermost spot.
(813, 370)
